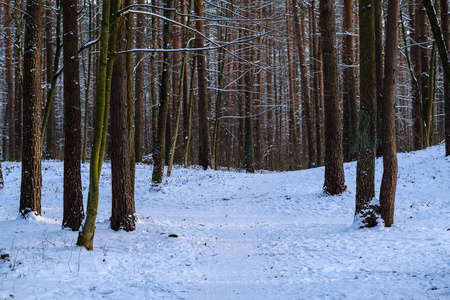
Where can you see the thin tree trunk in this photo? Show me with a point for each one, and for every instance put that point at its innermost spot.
(159, 147)
(139, 85)
(446, 42)
(10, 112)
(417, 105)
(309, 107)
(389, 180)
(18, 80)
(379, 69)
(73, 196)
(350, 119)
(334, 166)
(249, 163)
(30, 191)
(190, 109)
(108, 38)
(55, 73)
(87, 90)
(203, 99)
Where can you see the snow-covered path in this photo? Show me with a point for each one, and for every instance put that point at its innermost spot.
(240, 236)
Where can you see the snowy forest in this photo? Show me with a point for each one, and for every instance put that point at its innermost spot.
(218, 149)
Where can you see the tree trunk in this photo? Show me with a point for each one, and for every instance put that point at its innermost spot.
(379, 69)
(73, 196)
(349, 103)
(366, 213)
(18, 78)
(108, 38)
(446, 38)
(203, 99)
(389, 181)
(309, 106)
(123, 211)
(30, 192)
(334, 167)
(159, 147)
(139, 85)
(129, 23)
(417, 105)
(249, 150)
(10, 113)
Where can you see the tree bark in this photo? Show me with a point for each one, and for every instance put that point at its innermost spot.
(73, 196)
(108, 39)
(18, 80)
(123, 208)
(446, 42)
(366, 211)
(309, 106)
(389, 180)
(30, 191)
(350, 119)
(10, 113)
(159, 147)
(334, 166)
(139, 85)
(379, 70)
(203, 99)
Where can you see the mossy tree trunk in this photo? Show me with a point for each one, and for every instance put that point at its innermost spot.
(441, 44)
(108, 39)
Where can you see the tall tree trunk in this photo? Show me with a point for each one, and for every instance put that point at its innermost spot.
(366, 211)
(123, 208)
(379, 69)
(417, 105)
(203, 99)
(309, 106)
(9, 84)
(87, 90)
(139, 85)
(389, 181)
(249, 147)
(129, 23)
(334, 166)
(108, 39)
(50, 149)
(18, 76)
(350, 129)
(159, 147)
(30, 191)
(446, 37)
(292, 95)
(73, 196)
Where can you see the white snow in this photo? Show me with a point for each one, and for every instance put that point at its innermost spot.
(241, 236)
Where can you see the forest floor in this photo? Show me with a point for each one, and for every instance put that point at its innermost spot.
(269, 235)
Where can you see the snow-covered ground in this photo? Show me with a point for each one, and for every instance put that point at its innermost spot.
(241, 236)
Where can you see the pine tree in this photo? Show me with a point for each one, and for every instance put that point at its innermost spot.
(30, 190)
(73, 196)
(334, 165)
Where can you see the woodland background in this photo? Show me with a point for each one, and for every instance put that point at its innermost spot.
(276, 85)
